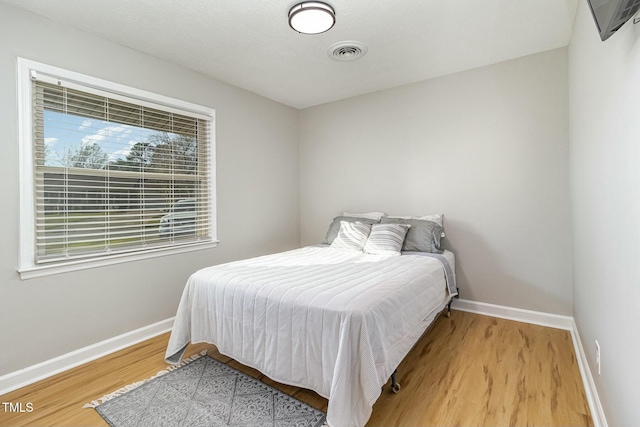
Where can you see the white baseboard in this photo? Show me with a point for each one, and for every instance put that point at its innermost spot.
(519, 315)
(597, 413)
(553, 321)
(78, 357)
(40, 371)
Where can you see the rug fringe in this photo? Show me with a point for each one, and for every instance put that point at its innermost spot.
(123, 390)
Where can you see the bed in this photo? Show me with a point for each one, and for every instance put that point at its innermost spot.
(336, 322)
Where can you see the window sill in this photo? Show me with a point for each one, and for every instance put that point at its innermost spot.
(31, 272)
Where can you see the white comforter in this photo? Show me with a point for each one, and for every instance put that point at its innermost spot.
(333, 321)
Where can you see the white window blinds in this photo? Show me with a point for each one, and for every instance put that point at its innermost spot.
(113, 174)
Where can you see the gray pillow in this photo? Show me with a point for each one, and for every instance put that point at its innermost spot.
(423, 236)
(332, 232)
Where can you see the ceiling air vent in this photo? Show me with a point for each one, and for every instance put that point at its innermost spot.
(347, 51)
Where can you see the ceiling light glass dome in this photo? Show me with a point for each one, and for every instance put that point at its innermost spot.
(312, 17)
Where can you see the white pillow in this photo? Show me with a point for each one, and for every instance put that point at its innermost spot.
(352, 236)
(386, 239)
(369, 215)
(437, 218)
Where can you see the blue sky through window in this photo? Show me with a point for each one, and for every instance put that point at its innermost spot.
(64, 133)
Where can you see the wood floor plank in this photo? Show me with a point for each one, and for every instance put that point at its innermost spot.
(468, 370)
(553, 386)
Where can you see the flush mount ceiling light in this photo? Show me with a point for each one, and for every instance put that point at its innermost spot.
(312, 17)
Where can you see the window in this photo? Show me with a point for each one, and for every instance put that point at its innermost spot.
(109, 173)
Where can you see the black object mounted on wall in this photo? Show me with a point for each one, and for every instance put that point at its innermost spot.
(610, 15)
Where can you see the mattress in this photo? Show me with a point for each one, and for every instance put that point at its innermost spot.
(336, 322)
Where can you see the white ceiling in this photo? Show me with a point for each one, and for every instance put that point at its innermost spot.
(248, 43)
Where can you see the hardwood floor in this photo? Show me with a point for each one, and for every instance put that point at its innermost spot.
(468, 370)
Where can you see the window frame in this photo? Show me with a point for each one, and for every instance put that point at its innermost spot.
(27, 266)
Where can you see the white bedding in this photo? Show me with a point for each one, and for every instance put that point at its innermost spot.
(332, 321)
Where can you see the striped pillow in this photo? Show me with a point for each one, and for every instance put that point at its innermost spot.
(332, 232)
(352, 236)
(386, 239)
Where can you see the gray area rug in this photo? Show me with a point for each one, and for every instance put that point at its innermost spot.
(206, 392)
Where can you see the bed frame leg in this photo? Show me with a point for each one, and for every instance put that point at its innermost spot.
(395, 387)
(449, 305)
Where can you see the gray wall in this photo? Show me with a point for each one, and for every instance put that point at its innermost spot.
(604, 93)
(258, 197)
(487, 147)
